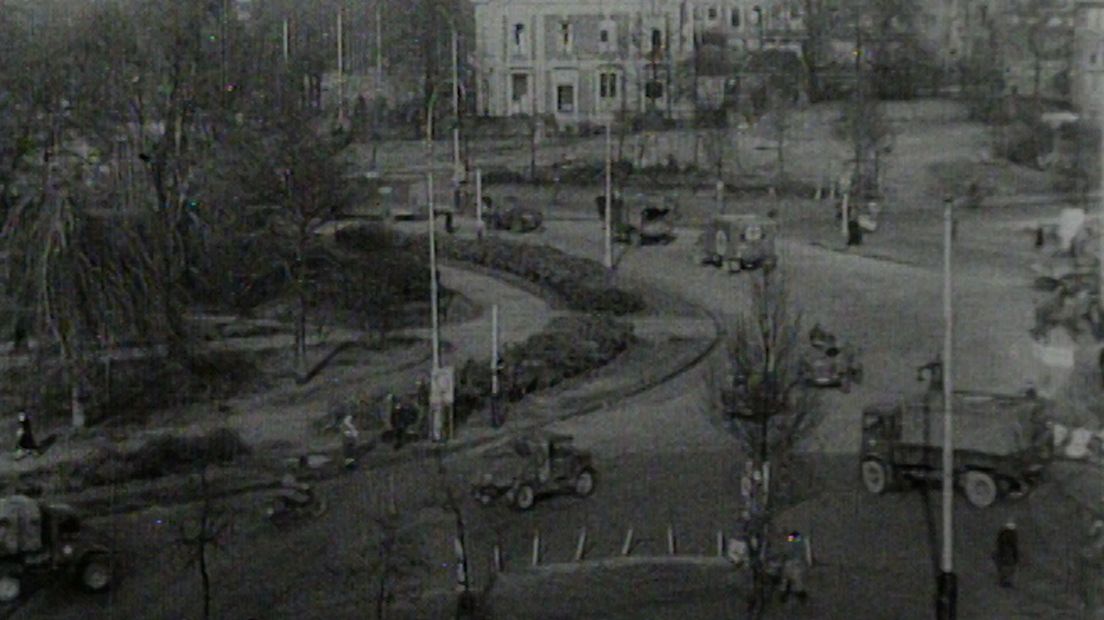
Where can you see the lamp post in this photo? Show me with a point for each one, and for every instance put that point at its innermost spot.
(947, 587)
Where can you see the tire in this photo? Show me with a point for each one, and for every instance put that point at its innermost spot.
(981, 490)
(525, 497)
(10, 589)
(584, 482)
(95, 573)
(876, 476)
(319, 508)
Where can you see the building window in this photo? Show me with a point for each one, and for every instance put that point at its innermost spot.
(565, 98)
(711, 12)
(734, 17)
(519, 39)
(607, 85)
(519, 86)
(756, 15)
(607, 36)
(565, 37)
(657, 39)
(653, 90)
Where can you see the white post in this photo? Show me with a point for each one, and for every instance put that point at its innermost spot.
(536, 547)
(456, 108)
(479, 202)
(947, 563)
(609, 198)
(626, 547)
(580, 547)
(432, 241)
(340, 69)
(671, 539)
(844, 213)
(286, 47)
(494, 350)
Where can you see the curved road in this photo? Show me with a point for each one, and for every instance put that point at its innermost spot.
(663, 461)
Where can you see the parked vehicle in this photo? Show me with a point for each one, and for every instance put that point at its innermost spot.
(1001, 444)
(534, 466)
(40, 539)
(644, 219)
(294, 500)
(738, 242)
(830, 364)
(513, 217)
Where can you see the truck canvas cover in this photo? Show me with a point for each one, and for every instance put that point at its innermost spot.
(992, 424)
(20, 525)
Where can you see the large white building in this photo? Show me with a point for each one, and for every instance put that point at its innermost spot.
(586, 60)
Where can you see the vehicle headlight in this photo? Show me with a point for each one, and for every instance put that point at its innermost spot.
(67, 550)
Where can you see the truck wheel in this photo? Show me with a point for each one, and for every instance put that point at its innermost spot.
(525, 497)
(981, 489)
(584, 482)
(875, 476)
(10, 588)
(95, 574)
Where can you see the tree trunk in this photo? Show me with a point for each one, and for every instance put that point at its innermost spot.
(300, 314)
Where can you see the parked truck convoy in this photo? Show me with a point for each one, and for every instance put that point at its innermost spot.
(1001, 443)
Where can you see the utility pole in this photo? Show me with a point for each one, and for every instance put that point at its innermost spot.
(376, 137)
(859, 98)
(609, 198)
(432, 241)
(947, 588)
(340, 68)
(1100, 225)
(457, 169)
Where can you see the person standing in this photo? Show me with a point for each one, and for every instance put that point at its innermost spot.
(1007, 554)
(24, 438)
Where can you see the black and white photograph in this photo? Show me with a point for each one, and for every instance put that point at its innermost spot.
(552, 309)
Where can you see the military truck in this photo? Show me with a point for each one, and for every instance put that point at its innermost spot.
(1000, 442)
(45, 539)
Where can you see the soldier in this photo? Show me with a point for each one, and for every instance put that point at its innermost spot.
(1007, 554)
(24, 438)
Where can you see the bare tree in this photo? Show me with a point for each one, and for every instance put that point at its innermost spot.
(770, 411)
(204, 536)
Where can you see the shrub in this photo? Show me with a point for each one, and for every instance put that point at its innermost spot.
(159, 457)
(569, 347)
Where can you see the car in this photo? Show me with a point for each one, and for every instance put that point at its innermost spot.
(644, 220)
(40, 539)
(739, 241)
(535, 466)
(514, 217)
(832, 366)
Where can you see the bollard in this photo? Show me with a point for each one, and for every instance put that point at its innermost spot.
(720, 544)
(536, 547)
(809, 550)
(497, 559)
(627, 546)
(580, 548)
(671, 539)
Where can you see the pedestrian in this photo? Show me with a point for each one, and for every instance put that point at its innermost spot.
(349, 434)
(794, 565)
(1007, 554)
(25, 443)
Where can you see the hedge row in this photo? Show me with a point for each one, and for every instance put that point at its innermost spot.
(568, 347)
(582, 283)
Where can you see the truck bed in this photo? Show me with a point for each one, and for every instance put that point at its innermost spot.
(983, 424)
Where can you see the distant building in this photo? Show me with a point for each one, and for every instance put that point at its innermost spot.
(584, 60)
(1087, 75)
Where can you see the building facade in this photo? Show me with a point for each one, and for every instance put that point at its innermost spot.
(589, 60)
(1087, 74)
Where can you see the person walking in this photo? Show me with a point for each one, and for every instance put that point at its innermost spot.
(25, 443)
(794, 565)
(349, 435)
(1007, 554)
